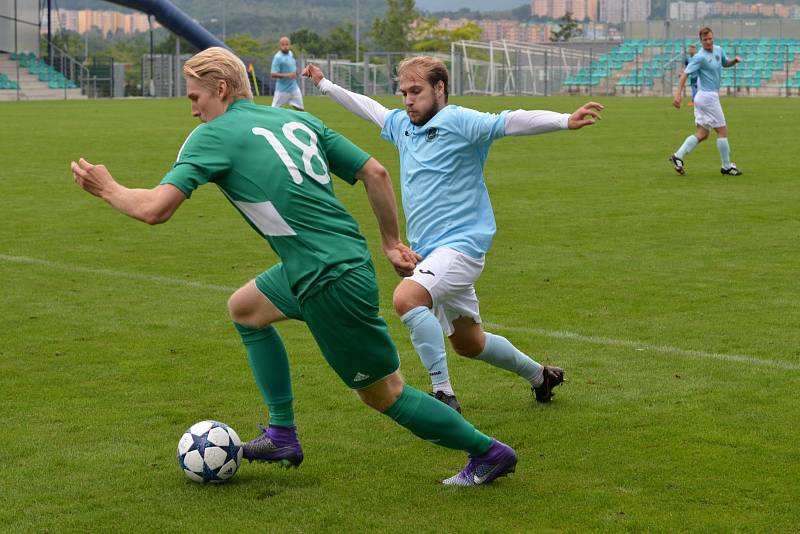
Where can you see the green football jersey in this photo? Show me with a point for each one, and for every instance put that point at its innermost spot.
(274, 166)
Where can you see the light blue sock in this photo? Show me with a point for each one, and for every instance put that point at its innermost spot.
(428, 339)
(499, 352)
(724, 152)
(687, 146)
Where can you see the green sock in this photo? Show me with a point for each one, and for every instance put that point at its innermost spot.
(433, 421)
(270, 365)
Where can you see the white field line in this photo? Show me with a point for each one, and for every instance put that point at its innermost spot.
(648, 347)
(115, 274)
(558, 334)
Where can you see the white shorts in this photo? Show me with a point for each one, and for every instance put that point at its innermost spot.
(708, 111)
(293, 98)
(449, 276)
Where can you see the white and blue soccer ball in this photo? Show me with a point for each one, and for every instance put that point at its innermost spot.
(209, 451)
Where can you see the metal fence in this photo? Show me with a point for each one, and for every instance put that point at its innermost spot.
(639, 67)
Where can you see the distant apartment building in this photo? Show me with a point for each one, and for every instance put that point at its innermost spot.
(618, 11)
(106, 21)
(496, 30)
(699, 10)
(554, 9)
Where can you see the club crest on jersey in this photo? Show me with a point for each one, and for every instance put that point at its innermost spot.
(431, 134)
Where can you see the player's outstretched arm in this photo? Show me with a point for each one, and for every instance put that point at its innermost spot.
(381, 197)
(153, 206)
(585, 115)
(361, 105)
(533, 122)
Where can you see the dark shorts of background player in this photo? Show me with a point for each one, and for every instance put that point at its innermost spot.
(344, 319)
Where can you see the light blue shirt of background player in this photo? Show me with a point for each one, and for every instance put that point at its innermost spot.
(708, 66)
(445, 199)
(284, 63)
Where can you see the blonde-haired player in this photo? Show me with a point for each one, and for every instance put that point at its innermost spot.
(275, 166)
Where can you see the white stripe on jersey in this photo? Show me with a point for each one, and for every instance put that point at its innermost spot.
(186, 141)
(265, 217)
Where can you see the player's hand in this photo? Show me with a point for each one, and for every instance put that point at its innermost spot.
(736, 60)
(94, 179)
(313, 72)
(677, 102)
(402, 258)
(585, 115)
(292, 75)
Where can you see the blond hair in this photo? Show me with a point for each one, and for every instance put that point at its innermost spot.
(430, 68)
(215, 64)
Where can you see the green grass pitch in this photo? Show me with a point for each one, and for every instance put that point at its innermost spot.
(672, 302)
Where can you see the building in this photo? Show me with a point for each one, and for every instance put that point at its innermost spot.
(618, 11)
(555, 9)
(497, 30)
(683, 10)
(106, 21)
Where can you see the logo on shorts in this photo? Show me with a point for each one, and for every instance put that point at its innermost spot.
(423, 271)
(431, 134)
(360, 377)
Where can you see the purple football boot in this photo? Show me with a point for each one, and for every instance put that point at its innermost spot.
(276, 444)
(498, 461)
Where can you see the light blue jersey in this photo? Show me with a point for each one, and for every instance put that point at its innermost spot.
(284, 64)
(708, 66)
(445, 200)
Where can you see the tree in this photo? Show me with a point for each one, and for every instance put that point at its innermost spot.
(429, 37)
(246, 46)
(567, 28)
(167, 46)
(341, 41)
(392, 33)
(309, 42)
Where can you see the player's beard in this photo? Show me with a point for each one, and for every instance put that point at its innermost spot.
(428, 116)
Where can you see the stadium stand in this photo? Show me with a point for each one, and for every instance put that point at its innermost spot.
(37, 80)
(770, 67)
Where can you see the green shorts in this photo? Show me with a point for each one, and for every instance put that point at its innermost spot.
(343, 318)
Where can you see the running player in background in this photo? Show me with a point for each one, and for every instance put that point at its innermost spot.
(284, 70)
(707, 64)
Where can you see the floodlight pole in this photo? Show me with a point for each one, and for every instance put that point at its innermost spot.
(358, 30)
(49, 33)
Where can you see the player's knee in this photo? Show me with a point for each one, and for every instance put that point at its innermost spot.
(241, 310)
(402, 302)
(383, 394)
(467, 348)
(235, 308)
(468, 340)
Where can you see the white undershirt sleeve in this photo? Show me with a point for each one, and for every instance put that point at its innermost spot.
(361, 105)
(525, 122)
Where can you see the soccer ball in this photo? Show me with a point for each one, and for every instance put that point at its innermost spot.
(209, 451)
